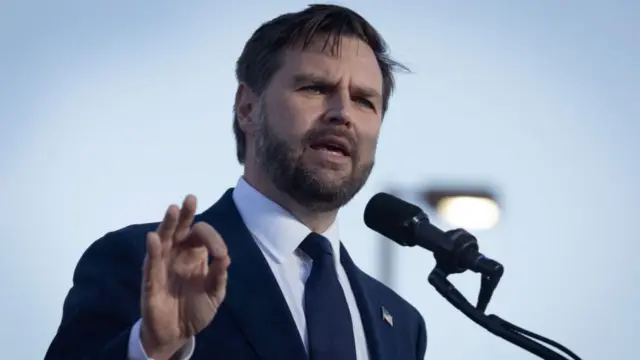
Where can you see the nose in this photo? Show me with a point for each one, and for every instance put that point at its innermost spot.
(339, 110)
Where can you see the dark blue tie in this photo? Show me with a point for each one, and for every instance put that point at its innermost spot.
(329, 326)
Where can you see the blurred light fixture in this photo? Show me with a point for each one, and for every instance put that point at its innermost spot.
(468, 208)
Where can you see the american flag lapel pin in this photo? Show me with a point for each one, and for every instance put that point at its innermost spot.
(387, 317)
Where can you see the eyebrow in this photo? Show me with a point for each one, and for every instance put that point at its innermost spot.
(310, 78)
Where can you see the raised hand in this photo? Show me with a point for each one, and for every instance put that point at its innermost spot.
(181, 292)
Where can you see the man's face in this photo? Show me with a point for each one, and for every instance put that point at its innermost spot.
(320, 119)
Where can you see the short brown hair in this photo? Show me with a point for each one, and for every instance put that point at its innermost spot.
(261, 56)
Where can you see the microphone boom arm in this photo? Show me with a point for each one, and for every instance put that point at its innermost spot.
(463, 254)
(492, 323)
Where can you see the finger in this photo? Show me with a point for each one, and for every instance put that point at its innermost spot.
(187, 215)
(216, 281)
(204, 234)
(154, 274)
(167, 227)
(209, 237)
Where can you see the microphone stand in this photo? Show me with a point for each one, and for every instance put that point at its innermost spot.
(494, 324)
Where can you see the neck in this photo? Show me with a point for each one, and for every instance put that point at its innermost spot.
(317, 222)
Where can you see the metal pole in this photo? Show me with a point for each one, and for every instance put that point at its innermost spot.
(387, 262)
(387, 258)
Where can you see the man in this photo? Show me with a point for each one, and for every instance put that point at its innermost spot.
(313, 88)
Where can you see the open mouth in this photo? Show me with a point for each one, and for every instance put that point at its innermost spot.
(335, 145)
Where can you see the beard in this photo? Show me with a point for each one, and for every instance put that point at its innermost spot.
(284, 164)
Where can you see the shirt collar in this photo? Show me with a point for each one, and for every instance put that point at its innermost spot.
(276, 229)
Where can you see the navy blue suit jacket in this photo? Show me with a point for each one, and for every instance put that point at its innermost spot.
(254, 321)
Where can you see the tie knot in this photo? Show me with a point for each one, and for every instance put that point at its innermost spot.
(316, 246)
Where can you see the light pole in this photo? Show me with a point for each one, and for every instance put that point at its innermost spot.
(387, 256)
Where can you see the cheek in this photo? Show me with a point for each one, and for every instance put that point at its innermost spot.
(369, 143)
(371, 133)
(301, 112)
(282, 122)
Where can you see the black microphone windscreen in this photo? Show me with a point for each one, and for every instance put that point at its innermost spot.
(389, 216)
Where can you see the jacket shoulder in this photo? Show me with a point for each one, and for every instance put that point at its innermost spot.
(123, 243)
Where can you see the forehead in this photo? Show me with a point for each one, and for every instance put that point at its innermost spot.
(350, 58)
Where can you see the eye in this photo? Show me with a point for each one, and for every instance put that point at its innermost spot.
(314, 89)
(366, 103)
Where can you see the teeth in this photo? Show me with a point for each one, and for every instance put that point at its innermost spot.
(330, 147)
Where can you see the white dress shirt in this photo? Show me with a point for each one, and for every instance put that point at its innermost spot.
(278, 234)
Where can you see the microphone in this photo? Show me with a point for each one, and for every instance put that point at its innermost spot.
(406, 224)
(455, 251)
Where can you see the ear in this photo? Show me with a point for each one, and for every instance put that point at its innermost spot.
(246, 104)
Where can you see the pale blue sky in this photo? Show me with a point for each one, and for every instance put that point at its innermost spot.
(540, 98)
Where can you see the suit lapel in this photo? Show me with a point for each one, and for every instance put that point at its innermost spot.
(253, 294)
(371, 310)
